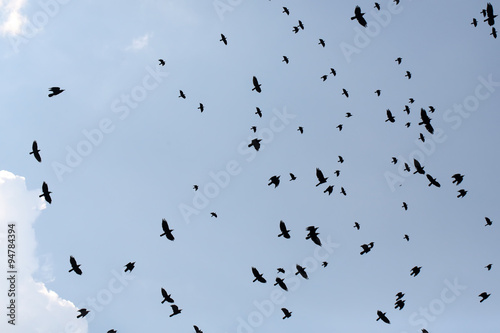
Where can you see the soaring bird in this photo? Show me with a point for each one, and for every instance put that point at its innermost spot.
(83, 313)
(46, 193)
(287, 313)
(394, 160)
(301, 129)
(399, 304)
(321, 42)
(74, 266)
(285, 59)
(407, 109)
(286, 11)
(301, 25)
(258, 276)
(358, 15)
(324, 77)
(399, 296)
(254, 129)
(411, 100)
(166, 231)
(295, 29)
(356, 225)
(302, 271)
(390, 117)
(461, 193)
(162, 62)
(366, 248)
(381, 315)
(181, 94)
(341, 159)
(201, 107)
(342, 190)
(483, 295)
(398, 60)
(421, 137)
(195, 187)
(426, 121)
(329, 190)
(340, 126)
(415, 270)
(488, 221)
(377, 92)
(197, 330)
(274, 180)
(337, 173)
(281, 270)
(489, 12)
(488, 267)
(284, 232)
(419, 168)
(213, 214)
(255, 143)
(407, 167)
(256, 85)
(130, 266)
(405, 205)
(377, 6)
(324, 263)
(223, 39)
(457, 178)
(292, 176)
(432, 181)
(175, 310)
(166, 296)
(408, 75)
(313, 235)
(321, 177)
(345, 93)
(407, 124)
(35, 151)
(348, 115)
(494, 32)
(333, 72)
(431, 109)
(280, 282)
(55, 91)
(406, 237)
(258, 112)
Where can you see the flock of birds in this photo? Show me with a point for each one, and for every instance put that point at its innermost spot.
(312, 234)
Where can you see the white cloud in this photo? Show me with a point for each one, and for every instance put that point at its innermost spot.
(12, 20)
(139, 43)
(37, 308)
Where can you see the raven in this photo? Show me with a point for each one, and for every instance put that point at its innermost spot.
(284, 232)
(83, 313)
(258, 276)
(35, 151)
(483, 295)
(381, 315)
(166, 296)
(181, 94)
(491, 17)
(55, 91)
(223, 39)
(46, 193)
(256, 85)
(457, 178)
(488, 221)
(321, 42)
(255, 143)
(302, 271)
(281, 283)
(130, 266)
(433, 181)
(285, 59)
(358, 15)
(166, 231)
(366, 248)
(356, 225)
(287, 313)
(419, 168)
(74, 266)
(390, 117)
(415, 270)
(175, 310)
(286, 11)
(274, 180)
(162, 62)
(320, 177)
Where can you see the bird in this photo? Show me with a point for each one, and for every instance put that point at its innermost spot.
(356, 225)
(295, 29)
(488, 266)
(281, 270)
(366, 248)
(324, 264)
(195, 187)
(175, 310)
(394, 160)
(390, 117)
(377, 92)
(196, 329)
(381, 315)
(407, 167)
(181, 94)
(494, 32)
(285, 59)
(329, 189)
(377, 6)
(431, 109)
(419, 168)
(166, 296)
(223, 39)
(407, 109)
(457, 178)
(345, 93)
(292, 176)
(432, 181)
(74, 266)
(112, 331)
(302, 271)
(341, 159)
(339, 126)
(286, 11)
(396, 1)
(488, 221)
(287, 313)
(337, 173)
(421, 137)
(483, 12)
(280, 282)
(166, 231)
(411, 100)
(254, 129)
(483, 295)
(406, 237)
(398, 60)
(407, 124)
(313, 235)
(301, 25)
(258, 276)
(255, 143)
(324, 77)
(130, 266)
(461, 193)
(256, 85)
(399, 295)
(399, 304)
(83, 313)
(415, 270)
(274, 180)
(321, 42)
(55, 91)
(213, 214)
(489, 12)
(405, 205)
(201, 107)
(408, 75)
(321, 177)
(424, 330)
(284, 232)
(258, 112)
(342, 190)
(358, 15)
(426, 121)
(46, 193)
(301, 129)
(36, 152)
(333, 72)
(348, 115)
(162, 62)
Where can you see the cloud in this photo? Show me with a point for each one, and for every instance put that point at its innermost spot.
(139, 42)
(37, 308)
(11, 19)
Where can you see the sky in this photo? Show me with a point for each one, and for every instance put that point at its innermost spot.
(121, 151)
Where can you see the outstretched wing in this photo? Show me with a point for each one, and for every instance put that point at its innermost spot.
(320, 175)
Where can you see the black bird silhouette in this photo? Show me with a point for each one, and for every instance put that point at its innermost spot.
(281, 283)
(321, 177)
(488, 221)
(489, 12)
(46, 193)
(415, 270)
(295, 29)
(461, 193)
(366, 248)
(83, 313)
(284, 232)
(166, 296)
(457, 178)
(324, 77)
(377, 6)
(333, 72)
(286, 11)
(213, 214)
(390, 117)
(356, 225)
(162, 62)
(313, 235)
(258, 276)
(377, 92)
(74, 266)
(358, 15)
(166, 231)
(406, 237)
(181, 94)
(426, 121)
(287, 313)
(337, 173)
(301, 129)
(274, 180)
(112, 331)
(398, 60)
(256, 85)
(324, 264)
(301, 25)
(381, 315)
(483, 295)
(196, 329)
(396, 1)
(421, 137)
(407, 124)
(342, 190)
(130, 266)
(399, 296)
(407, 167)
(195, 187)
(35, 151)
(302, 271)
(419, 168)
(339, 126)
(399, 304)
(258, 112)
(348, 115)
(405, 206)
(494, 32)
(329, 189)
(55, 91)
(201, 107)
(488, 266)
(175, 310)
(255, 143)
(411, 100)
(285, 59)
(292, 176)
(483, 12)
(431, 109)
(223, 39)
(345, 93)
(432, 181)
(424, 330)
(408, 75)
(281, 270)
(321, 42)
(394, 160)
(474, 22)
(341, 159)
(254, 129)
(407, 109)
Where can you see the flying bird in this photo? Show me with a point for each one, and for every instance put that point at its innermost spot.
(201, 107)
(408, 75)
(488, 266)
(196, 329)
(166, 231)
(461, 193)
(405, 205)
(381, 315)
(399, 304)
(255, 143)
(431, 109)
(74, 266)
(342, 190)
(286, 11)
(195, 187)
(256, 85)
(377, 6)
(366, 248)
(398, 60)
(407, 124)
(287, 313)
(175, 310)
(284, 232)
(321, 177)
(285, 59)
(407, 109)
(415, 270)
(333, 72)
(254, 129)
(489, 12)
(166, 296)
(337, 173)
(356, 225)
(426, 121)
(377, 92)
(394, 160)
(130, 266)
(348, 115)
(324, 263)
(329, 189)
(494, 32)
(390, 117)
(281, 283)
(399, 295)
(35, 151)
(55, 91)
(421, 137)
(181, 94)
(419, 168)
(407, 167)
(223, 39)
(406, 237)
(281, 270)
(358, 15)
(292, 176)
(258, 112)
(321, 42)
(457, 178)
(302, 271)
(345, 93)
(341, 159)
(83, 313)
(301, 129)
(274, 180)
(301, 25)
(339, 126)
(324, 77)
(162, 62)
(483, 295)
(313, 235)
(432, 181)
(213, 214)
(411, 100)
(295, 29)
(258, 276)
(46, 193)
(488, 221)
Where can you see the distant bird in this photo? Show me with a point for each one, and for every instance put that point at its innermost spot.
(195, 187)
(408, 75)
(415, 270)
(340, 126)
(281, 283)
(258, 112)
(321, 42)
(46, 193)
(419, 168)
(181, 94)
(287, 313)
(398, 60)
(407, 167)
(166, 231)
(494, 32)
(488, 266)
(324, 77)
(175, 310)
(83, 313)
(405, 206)
(256, 85)
(406, 237)
(399, 304)
(112, 331)
(396, 1)
(426, 121)
(281, 270)
(424, 330)
(358, 15)
(483, 12)
(324, 264)
(431, 109)
(432, 181)
(201, 107)
(255, 143)
(313, 235)
(329, 189)
(366, 248)
(489, 12)
(130, 266)
(483, 295)
(35, 151)
(407, 124)
(274, 180)
(162, 62)
(333, 72)
(407, 109)
(399, 296)
(213, 214)
(223, 39)
(381, 315)
(377, 92)
(348, 115)
(301, 25)
(345, 93)
(258, 276)
(411, 100)
(166, 296)
(302, 271)
(394, 160)
(390, 117)
(301, 129)
(254, 129)
(421, 137)
(356, 225)
(337, 173)
(55, 91)
(461, 193)
(488, 221)
(196, 329)
(341, 159)
(286, 11)
(74, 266)
(285, 59)
(321, 177)
(284, 232)
(377, 6)
(342, 190)
(457, 178)
(295, 29)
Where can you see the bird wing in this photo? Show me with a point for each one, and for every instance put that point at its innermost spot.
(72, 261)
(320, 175)
(45, 187)
(489, 9)
(283, 227)
(164, 226)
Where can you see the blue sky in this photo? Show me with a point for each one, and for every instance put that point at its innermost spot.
(121, 151)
